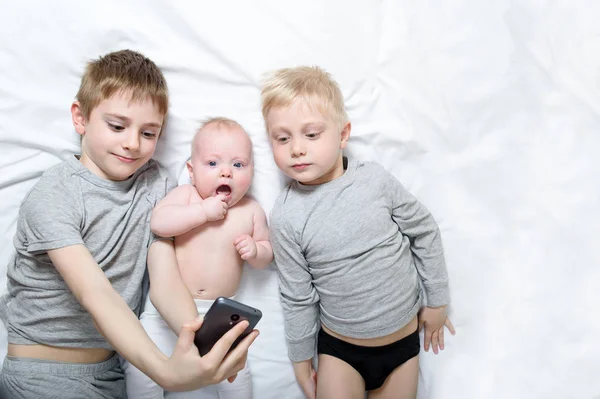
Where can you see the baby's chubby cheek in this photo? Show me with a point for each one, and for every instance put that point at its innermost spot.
(243, 183)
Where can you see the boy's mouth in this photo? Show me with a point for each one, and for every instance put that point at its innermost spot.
(224, 189)
(301, 166)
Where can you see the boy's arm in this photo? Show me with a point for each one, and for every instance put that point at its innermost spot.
(168, 292)
(306, 377)
(299, 299)
(176, 213)
(185, 370)
(416, 222)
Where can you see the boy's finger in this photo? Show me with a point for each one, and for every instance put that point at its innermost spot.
(426, 340)
(232, 378)
(238, 356)
(221, 347)
(186, 335)
(434, 342)
(449, 325)
(441, 338)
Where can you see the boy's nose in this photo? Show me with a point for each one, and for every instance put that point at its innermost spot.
(298, 151)
(132, 142)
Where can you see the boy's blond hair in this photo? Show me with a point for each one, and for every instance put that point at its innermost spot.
(124, 70)
(311, 84)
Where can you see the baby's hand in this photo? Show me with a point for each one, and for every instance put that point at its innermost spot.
(215, 208)
(246, 247)
(434, 320)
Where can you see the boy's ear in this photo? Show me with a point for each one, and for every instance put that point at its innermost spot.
(190, 168)
(78, 118)
(345, 135)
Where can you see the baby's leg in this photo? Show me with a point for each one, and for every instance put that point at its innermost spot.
(337, 379)
(241, 388)
(209, 392)
(139, 385)
(401, 383)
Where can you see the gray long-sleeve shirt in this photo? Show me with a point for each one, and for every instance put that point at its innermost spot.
(350, 254)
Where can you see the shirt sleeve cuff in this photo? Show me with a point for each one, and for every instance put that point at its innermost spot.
(303, 350)
(437, 295)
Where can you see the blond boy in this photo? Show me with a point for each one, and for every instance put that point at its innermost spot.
(351, 245)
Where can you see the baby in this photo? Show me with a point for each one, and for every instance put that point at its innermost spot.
(216, 228)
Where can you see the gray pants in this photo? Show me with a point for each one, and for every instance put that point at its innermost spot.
(23, 378)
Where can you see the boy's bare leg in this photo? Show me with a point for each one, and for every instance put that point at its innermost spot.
(401, 384)
(337, 379)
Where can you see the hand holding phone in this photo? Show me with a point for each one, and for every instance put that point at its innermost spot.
(223, 314)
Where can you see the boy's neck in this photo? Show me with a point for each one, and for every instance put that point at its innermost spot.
(335, 173)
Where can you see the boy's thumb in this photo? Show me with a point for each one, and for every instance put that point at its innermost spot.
(188, 332)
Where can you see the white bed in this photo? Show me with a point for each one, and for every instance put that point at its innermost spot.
(489, 112)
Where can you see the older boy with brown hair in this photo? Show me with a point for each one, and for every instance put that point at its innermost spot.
(82, 240)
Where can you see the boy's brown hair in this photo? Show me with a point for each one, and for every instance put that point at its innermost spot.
(124, 70)
(311, 84)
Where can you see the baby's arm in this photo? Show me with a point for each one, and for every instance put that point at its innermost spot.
(178, 213)
(168, 293)
(256, 250)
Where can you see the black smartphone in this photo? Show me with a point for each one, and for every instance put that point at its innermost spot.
(223, 314)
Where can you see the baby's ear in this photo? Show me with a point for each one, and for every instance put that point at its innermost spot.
(78, 118)
(345, 134)
(190, 168)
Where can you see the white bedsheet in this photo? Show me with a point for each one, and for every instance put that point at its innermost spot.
(489, 112)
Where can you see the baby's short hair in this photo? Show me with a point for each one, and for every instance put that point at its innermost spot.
(220, 121)
(311, 84)
(124, 70)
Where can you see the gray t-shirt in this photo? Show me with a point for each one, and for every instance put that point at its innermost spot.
(353, 253)
(69, 205)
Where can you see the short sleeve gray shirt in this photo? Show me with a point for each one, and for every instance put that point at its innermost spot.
(69, 205)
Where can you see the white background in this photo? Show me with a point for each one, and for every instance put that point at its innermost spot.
(489, 112)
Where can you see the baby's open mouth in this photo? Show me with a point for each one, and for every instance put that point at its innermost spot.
(224, 190)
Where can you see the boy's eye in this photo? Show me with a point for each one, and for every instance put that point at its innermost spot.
(282, 139)
(149, 135)
(116, 128)
(212, 163)
(237, 165)
(312, 135)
